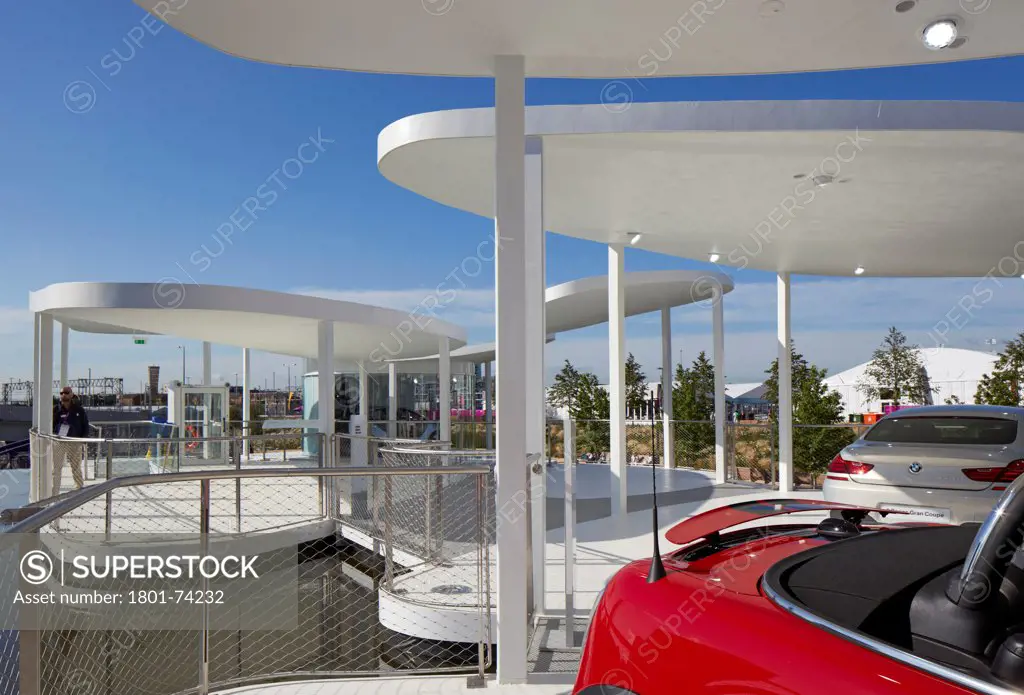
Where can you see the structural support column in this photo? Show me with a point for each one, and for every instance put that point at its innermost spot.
(246, 401)
(510, 304)
(392, 400)
(718, 356)
(785, 414)
(536, 422)
(325, 383)
(35, 369)
(669, 436)
(207, 364)
(43, 396)
(488, 408)
(64, 340)
(444, 388)
(617, 375)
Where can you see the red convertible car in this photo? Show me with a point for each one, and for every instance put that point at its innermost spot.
(849, 605)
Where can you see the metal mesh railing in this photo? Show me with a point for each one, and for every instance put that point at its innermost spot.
(61, 465)
(313, 612)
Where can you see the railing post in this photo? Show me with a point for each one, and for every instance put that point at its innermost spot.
(569, 454)
(204, 584)
(428, 529)
(236, 454)
(110, 495)
(319, 479)
(389, 568)
(30, 646)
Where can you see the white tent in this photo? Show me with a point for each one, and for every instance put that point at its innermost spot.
(951, 372)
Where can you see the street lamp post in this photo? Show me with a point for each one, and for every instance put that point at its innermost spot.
(182, 348)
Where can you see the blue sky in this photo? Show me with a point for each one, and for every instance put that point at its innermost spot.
(178, 135)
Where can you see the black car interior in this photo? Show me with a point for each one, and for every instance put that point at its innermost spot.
(903, 587)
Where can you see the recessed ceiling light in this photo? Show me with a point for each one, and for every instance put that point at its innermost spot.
(905, 6)
(858, 270)
(713, 257)
(822, 180)
(635, 238)
(940, 34)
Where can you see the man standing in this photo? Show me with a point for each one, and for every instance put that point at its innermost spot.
(69, 422)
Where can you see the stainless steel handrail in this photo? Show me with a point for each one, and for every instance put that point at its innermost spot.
(86, 494)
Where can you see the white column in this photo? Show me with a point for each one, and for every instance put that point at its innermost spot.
(535, 332)
(669, 436)
(617, 375)
(35, 370)
(45, 392)
(325, 379)
(246, 400)
(785, 413)
(36, 474)
(392, 400)
(364, 395)
(65, 332)
(207, 364)
(510, 304)
(207, 399)
(488, 409)
(718, 356)
(444, 388)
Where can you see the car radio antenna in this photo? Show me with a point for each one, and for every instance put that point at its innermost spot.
(657, 570)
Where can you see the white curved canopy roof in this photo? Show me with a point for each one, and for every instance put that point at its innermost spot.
(922, 188)
(584, 302)
(592, 38)
(272, 321)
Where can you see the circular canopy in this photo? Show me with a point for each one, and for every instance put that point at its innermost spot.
(272, 321)
(582, 303)
(593, 38)
(896, 188)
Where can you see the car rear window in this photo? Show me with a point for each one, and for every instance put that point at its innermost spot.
(944, 430)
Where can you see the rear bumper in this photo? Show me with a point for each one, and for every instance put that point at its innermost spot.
(965, 506)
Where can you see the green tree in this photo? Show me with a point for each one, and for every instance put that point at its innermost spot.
(565, 392)
(693, 403)
(693, 394)
(593, 410)
(1004, 385)
(896, 372)
(636, 386)
(815, 407)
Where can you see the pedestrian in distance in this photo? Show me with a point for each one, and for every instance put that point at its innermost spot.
(70, 422)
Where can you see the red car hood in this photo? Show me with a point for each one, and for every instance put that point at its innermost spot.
(703, 525)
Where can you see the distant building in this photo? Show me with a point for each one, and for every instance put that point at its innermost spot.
(951, 372)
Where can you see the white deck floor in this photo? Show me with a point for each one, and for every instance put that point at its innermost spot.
(420, 685)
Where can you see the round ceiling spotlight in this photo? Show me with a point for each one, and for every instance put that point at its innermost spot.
(905, 6)
(713, 257)
(940, 34)
(859, 270)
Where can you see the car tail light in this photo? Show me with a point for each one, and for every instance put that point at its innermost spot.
(841, 465)
(996, 475)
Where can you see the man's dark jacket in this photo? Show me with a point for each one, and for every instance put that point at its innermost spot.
(78, 421)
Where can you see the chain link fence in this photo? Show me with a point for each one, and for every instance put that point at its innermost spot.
(316, 610)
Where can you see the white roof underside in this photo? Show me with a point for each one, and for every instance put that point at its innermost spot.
(271, 321)
(582, 303)
(591, 38)
(924, 188)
